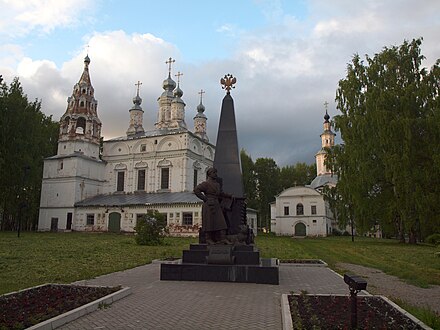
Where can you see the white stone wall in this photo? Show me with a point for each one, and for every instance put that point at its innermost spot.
(174, 214)
(65, 182)
(72, 146)
(284, 224)
(181, 153)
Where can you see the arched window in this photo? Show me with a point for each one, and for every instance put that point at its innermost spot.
(80, 125)
(299, 209)
(81, 104)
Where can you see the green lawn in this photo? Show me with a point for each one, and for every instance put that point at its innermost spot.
(37, 258)
(417, 264)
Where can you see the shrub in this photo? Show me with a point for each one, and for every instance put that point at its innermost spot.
(151, 229)
(336, 232)
(433, 239)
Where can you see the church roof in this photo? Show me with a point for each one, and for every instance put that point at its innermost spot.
(141, 198)
(76, 154)
(322, 180)
(157, 132)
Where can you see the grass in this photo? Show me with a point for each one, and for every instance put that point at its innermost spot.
(426, 315)
(37, 258)
(417, 264)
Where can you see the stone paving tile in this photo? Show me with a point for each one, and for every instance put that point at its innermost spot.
(156, 304)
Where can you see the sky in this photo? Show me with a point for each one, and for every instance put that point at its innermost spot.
(287, 55)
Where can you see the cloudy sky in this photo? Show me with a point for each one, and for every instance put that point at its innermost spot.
(288, 57)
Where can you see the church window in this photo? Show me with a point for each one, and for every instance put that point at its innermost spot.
(84, 91)
(195, 177)
(313, 209)
(155, 141)
(120, 181)
(81, 125)
(314, 221)
(61, 165)
(90, 219)
(286, 210)
(81, 104)
(165, 178)
(143, 147)
(141, 180)
(299, 209)
(187, 218)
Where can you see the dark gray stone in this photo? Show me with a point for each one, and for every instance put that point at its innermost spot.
(220, 254)
(221, 273)
(227, 152)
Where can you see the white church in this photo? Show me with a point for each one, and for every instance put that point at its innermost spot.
(302, 211)
(86, 188)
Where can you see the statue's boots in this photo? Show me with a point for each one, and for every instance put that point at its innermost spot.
(209, 238)
(222, 239)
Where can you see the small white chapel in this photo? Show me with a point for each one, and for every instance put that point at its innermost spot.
(94, 185)
(302, 211)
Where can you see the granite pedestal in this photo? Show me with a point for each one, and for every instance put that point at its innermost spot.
(222, 263)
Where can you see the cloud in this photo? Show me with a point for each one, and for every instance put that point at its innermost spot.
(118, 61)
(285, 72)
(19, 17)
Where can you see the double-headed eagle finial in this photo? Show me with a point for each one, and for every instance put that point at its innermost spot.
(228, 82)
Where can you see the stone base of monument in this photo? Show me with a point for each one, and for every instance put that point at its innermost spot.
(222, 263)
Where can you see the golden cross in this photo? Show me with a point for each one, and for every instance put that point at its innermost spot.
(138, 85)
(201, 95)
(178, 75)
(169, 62)
(228, 82)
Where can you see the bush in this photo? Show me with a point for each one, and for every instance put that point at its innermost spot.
(151, 229)
(433, 239)
(336, 232)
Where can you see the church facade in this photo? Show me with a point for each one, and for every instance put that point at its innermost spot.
(302, 211)
(91, 185)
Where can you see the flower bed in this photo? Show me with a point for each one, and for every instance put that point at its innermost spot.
(333, 312)
(25, 308)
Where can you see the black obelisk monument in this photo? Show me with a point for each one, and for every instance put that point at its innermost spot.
(234, 258)
(227, 159)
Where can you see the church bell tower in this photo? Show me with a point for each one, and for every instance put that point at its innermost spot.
(80, 127)
(327, 141)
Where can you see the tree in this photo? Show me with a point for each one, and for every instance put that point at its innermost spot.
(249, 179)
(299, 174)
(388, 165)
(267, 174)
(27, 137)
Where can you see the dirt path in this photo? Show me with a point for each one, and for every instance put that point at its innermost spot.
(392, 287)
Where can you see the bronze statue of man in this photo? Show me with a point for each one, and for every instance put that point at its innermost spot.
(213, 221)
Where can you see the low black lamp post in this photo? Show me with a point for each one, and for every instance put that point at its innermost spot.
(22, 199)
(356, 284)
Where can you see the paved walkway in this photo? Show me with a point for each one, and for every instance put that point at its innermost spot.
(156, 304)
